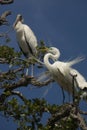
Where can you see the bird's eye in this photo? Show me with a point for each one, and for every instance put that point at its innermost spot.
(20, 17)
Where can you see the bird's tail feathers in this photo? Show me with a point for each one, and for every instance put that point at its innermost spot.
(43, 76)
(76, 60)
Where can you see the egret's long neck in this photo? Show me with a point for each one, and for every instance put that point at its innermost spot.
(54, 55)
(46, 59)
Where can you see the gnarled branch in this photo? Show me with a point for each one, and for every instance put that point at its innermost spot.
(3, 20)
(2, 2)
(23, 82)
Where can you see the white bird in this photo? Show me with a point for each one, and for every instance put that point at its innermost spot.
(26, 39)
(62, 72)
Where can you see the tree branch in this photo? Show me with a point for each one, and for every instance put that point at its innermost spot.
(81, 121)
(68, 110)
(2, 2)
(83, 112)
(25, 81)
(18, 94)
(60, 114)
(3, 20)
(3, 60)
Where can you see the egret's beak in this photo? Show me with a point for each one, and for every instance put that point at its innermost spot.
(45, 49)
(49, 50)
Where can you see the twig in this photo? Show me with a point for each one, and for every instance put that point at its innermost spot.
(2, 2)
(5, 14)
(73, 82)
(3, 60)
(25, 81)
(83, 112)
(82, 123)
(76, 114)
(19, 94)
(68, 110)
(3, 20)
(59, 115)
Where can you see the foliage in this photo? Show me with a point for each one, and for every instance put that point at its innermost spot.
(28, 113)
(8, 53)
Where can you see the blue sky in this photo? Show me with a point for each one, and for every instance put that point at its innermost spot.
(60, 23)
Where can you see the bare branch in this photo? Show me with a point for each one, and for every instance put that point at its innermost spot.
(3, 20)
(5, 14)
(60, 115)
(19, 94)
(2, 2)
(75, 114)
(25, 81)
(3, 60)
(82, 123)
(83, 112)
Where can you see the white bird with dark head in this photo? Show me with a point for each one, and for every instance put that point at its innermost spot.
(26, 39)
(62, 72)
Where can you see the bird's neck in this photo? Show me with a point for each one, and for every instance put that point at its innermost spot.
(18, 26)
(46, 60)
(55, 54)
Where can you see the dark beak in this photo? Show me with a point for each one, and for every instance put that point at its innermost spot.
(18, 18)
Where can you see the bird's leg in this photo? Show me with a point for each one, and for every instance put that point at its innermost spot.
(10, 64)
(27, 71)
(15, 59)
(73, 83)
(73, 78)
(69, 96)
(32, 70)
(63, 95)
(61, 87)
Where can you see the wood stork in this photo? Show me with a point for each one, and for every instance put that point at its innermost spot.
(62, 72)
(26, 39)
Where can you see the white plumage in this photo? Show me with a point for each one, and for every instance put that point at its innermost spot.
(26, 39)
(62, 72)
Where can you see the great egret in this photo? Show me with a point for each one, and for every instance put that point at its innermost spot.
(62, 72)
(26, 39)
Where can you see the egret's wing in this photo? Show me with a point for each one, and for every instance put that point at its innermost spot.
(76, 60)
(30, 40)
(81, 82)
(25, 54)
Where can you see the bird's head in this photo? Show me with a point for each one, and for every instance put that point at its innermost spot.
(18, 18)
(54, 51)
